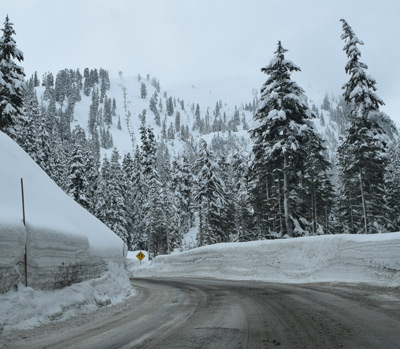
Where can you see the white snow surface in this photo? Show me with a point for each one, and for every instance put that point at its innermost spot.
(372, 259)
(64, 242)
(29, 308)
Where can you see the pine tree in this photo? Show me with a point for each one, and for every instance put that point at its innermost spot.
(44, 154)
(279, 154)
(27, 135)
(107, 111)
(170, 106)
(243, 212)
(86, 85)
(143, 90)
(128, 175)
(197, 123)
(102, 206)
(139, 197)
(210, 197)
(318, 200)
(177, 122)
(92, 167)
(36, 81)
(78, 184)
(94, 107)
(117, 189)
(392, 186)
(153, 108)
(152, 217)
(11, 81)
(362, 154)
(182, 188)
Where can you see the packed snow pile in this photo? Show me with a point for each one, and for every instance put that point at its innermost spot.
(64, 243)
(12, 246)
(28, 308)
(371, 259)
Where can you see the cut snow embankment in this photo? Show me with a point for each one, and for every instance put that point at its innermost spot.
(29, 308)
(371, 259)
(64, 242)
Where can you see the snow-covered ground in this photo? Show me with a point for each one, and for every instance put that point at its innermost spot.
(372, 259)
(64, 242)
(28, 308)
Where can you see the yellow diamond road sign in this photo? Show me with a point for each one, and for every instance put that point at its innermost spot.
(140, 255)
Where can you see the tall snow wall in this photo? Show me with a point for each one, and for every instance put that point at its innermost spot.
(12, 246)
(64, 243)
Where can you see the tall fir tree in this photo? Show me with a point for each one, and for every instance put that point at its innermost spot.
(117, 189)
(210, 197)
(362, 153)
(78, 184)
(279, 153)
(11, 81)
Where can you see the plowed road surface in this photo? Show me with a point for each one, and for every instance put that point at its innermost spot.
(202, 313)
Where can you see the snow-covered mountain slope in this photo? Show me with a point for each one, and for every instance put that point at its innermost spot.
(130, 106)
(218, 112)
(331, 258)
(213, 103)
(64, 242)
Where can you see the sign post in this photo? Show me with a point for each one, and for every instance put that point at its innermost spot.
(23, 219)
(140, 256)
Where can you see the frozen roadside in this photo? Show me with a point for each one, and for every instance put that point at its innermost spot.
(371, 259)
(28, 308)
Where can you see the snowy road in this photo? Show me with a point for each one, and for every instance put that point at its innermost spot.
(196, 313)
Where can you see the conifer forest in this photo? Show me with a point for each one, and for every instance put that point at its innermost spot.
(279, 166)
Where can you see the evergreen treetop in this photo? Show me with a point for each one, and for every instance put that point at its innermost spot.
(11, 80)
(360, 89)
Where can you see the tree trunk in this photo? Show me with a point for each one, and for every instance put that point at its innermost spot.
(286, 205)
(314, 207)
(351, 211)
(280, 206)
(200, 225)
(363, 202)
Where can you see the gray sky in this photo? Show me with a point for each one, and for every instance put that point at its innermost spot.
(183, 41)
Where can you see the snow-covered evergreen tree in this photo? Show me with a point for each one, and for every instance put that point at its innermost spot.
(392, 187)
(279, 152)
(116, 191)
(139, 197)
(210, 196)
(11, 81)
(44, 155)
(362, 154)
(94, 106)
(143, 90)
(243, 211)
(77, 186)
(128, 174)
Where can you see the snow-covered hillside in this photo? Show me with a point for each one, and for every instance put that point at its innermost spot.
(372, 259)
(130, 106)
(214, 107)
(64, 243)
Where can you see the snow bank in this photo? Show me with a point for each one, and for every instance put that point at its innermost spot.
(64, 243)
(12, 245)
(371, 259)
(28, 308)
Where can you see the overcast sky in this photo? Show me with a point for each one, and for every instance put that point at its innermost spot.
(184, 41)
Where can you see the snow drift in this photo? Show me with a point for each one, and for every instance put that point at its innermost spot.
(29, 308)
(371, 259)
(64, 243)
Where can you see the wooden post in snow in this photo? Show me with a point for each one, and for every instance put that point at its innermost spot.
(23, 219)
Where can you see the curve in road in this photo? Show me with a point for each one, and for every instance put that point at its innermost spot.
(204, 313)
